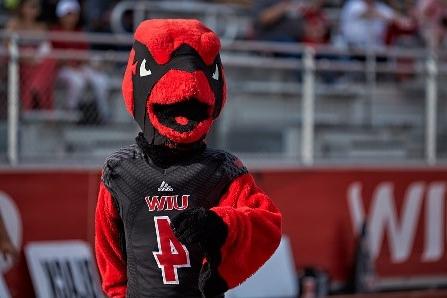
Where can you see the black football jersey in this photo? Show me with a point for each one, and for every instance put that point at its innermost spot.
(147, 197)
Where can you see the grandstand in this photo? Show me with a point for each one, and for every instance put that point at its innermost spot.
(363, 110)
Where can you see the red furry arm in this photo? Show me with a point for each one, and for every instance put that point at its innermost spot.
(254, 230)
(109, 255)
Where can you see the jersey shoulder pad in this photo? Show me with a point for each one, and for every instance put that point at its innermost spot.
(114, 160)
(231, 166)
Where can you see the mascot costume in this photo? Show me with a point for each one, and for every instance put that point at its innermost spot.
(175, 218)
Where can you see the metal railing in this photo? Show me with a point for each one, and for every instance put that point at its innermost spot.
(225, 19)
(258, 55)
(13, 101)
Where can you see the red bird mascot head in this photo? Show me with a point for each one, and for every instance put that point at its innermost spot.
(174, 83)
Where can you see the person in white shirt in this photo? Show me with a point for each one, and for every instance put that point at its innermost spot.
(363, 23)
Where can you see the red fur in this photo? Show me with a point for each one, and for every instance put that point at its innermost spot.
(254, 230)
(110, 259)
(176, 86)
(162, 37)
(182, 137)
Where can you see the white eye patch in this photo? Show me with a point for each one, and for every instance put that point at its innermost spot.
(216, 74)
(143, 70)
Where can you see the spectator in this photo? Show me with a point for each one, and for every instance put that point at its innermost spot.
(277, 20)
(404, 36)
(97, 14)
(364, 23)
(316, 27)
(432, 17)
(77, 74)
(37, 72)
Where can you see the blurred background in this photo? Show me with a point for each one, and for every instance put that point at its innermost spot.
(336, 106)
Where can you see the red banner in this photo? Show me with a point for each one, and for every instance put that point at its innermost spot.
(405, 209)
(52, 205)
(322, 211)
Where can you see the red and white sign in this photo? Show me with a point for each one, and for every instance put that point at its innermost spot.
(405, 209)
(322, 210)
(400, 229)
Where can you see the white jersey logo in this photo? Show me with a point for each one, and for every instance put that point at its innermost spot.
(165, 187)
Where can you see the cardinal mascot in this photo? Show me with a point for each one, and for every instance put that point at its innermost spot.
(175, 218)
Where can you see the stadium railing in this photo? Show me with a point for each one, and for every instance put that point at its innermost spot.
(3, 104)
(228, 20)
(290, 88)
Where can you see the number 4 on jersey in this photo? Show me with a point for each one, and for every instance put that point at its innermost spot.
(171, 254)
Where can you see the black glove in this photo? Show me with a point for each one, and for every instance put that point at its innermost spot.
(205, 228)
(200, 226)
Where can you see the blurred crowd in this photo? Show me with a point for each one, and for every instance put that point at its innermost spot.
(357, 24)
(40, 72)
(360, 23)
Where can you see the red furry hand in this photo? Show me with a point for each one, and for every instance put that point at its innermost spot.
(200, 226)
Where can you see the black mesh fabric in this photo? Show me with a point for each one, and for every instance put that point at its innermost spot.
(130, 177)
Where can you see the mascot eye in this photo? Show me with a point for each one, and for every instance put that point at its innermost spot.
(143, 71)
(216, 74)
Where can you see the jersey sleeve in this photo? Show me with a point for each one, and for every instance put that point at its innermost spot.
(109, 251)
(254, 229)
